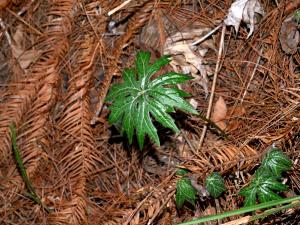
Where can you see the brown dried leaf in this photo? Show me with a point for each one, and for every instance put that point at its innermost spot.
(289, 35)
(25, 58)
(189, 59)
(220, 110)
(4, 3)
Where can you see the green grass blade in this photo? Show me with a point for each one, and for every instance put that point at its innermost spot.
(17, 156)
(242, 210)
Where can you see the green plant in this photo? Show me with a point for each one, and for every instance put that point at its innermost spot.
(297, 15)
(139, 99)
(265, 183)
(185, 191)
(214, 184)
(291, 203)
(31, 191)
(277, 162)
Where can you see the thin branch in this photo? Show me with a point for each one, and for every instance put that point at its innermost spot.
(213, 85)
(207, 35)
(118, 7)
(252, 75)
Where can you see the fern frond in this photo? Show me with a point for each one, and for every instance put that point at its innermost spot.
(78, 156)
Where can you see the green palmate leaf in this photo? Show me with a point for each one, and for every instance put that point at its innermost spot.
(277, 162)
(138, 100)
(185, 192)
(264, 187)
(215, 185)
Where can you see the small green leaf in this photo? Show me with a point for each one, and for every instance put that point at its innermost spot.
(250, 195)
(185, 192)
(181, 172)
(265, 195)
(277, 162)
(215, 185)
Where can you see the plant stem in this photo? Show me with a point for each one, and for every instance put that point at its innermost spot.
(213, 124)
(248, 209)
(31, 191)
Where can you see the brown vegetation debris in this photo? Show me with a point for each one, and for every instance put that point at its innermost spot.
(58, 59)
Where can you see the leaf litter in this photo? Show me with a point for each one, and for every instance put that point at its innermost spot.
(92, 175)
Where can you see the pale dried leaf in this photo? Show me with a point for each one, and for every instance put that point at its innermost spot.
(25, 58)
(289, 35)
(220, 110)
(189, 59)
(246, 11)
(194, 103)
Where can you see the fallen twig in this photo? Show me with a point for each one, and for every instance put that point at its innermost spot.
(211, 98)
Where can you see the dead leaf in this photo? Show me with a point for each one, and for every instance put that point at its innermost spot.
(233, 118)
(4, 3)
(289, 35)
(194, 103)
(247, 11)
(219, 113)
(189, 59)
(25, 58)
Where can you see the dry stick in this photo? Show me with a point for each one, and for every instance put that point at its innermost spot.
(252, 75)
(137, 208)
(161, 207)
(23, 21)
(207, 35)
(3, 26)
(211, 98)
(118, 7)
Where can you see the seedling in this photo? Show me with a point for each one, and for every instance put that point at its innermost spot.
(185, 191)
(266, 179)
(139, 99)
(215, 185)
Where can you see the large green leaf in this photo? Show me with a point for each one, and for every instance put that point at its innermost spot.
(138, 100)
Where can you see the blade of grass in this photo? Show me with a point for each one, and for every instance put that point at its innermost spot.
(244, 210)
(31, 191)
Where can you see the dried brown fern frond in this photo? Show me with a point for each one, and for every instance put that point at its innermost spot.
(78, 155)
(19, 97)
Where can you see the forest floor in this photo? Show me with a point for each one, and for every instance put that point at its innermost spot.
(58, 59)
